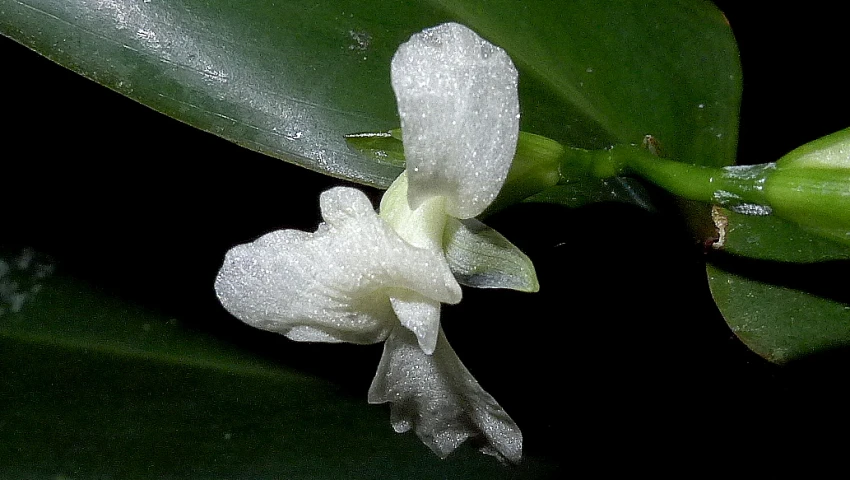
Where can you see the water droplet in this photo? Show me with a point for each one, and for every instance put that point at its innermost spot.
(362, 40)
(752, 209)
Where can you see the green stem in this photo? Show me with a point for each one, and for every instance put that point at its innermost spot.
(807, 191)
(725, 186)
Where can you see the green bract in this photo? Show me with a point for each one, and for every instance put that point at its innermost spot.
(811, 186)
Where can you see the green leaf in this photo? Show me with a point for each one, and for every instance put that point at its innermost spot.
(767, 237)
(281, 78)
(783, 312)
(96, 387)
(480, 257)
(290, 80)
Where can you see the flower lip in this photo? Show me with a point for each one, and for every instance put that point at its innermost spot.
(437, 397)
(459, 109)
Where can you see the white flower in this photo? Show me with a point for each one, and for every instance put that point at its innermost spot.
(365, 278)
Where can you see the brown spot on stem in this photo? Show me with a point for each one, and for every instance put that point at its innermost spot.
(721, 221)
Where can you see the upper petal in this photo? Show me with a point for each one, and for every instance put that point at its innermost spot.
(459, 108)
(438, 398)
(334, 284)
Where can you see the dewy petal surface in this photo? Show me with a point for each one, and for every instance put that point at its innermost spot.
(459, 108)
(333, 285)
(420, 315)
(438, 398)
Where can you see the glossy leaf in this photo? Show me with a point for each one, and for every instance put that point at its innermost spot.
(290, 81)
(783, 312)
(277, 77)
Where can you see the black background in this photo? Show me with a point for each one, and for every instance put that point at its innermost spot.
(623, 339)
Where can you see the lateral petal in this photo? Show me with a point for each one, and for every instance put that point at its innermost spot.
(334, 284)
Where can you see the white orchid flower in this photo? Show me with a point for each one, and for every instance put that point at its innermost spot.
(365, 278)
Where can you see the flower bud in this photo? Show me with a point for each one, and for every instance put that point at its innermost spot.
(811, 186)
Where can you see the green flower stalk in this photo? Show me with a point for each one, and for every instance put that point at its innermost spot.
(809, 186)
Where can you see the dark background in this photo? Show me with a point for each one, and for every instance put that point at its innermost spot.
(145, 207)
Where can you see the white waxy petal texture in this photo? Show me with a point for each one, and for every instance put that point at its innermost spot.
(420, 315)
(333, 285)
(438, 398)
(459, 108)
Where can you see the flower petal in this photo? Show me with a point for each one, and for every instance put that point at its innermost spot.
(334, 284)
(438, 398)
(420, 315)
(481, 257)
(459, 108)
